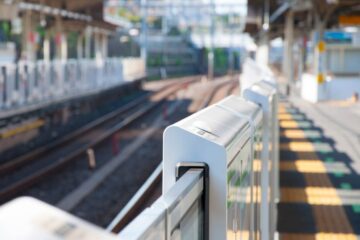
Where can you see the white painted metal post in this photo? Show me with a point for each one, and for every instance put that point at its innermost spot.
(104, 45)
(47, 48)
(28, 37)
(211, 56)
(288, 65)
(144, 29)
(80, 46)
(61, 41)
(319, 50)
(2, 86)
(97, 45)
(264, 94)
(262, 53)
(88, 35)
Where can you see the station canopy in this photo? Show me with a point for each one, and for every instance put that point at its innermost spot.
(203, 20)
(333, 13)
(76, 15)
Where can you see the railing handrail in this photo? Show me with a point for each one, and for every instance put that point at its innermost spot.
(122, 217)
(190, 207)
(169, 209)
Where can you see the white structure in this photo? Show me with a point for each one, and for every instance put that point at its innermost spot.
(41, 221)
(224, 138)
(210, 189)
(258, 85)
(254, 72)
(28, 83)
(265, 95)
(342, 75)
(252, 112)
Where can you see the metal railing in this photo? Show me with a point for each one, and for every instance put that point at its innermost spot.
(220, 178)
(27, 83)
(241, 197)
(179, 213)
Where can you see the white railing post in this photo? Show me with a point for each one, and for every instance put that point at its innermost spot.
(2, 86)
(210, 190)
(264, 94)
(219, 136)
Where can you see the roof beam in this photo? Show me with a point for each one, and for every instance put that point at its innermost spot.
(75, 5)
(280, 11)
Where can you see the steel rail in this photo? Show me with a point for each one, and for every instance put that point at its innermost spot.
(37, 153)
(30, 180)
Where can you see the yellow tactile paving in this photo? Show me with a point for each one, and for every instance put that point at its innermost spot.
(311, 195)
(326, 201)
(297, 146)
(318, 180)
(282, 109)
(318, 236)
(285, 116)
(331, 221)
(300, 134)
(289, 124)
(7, 133)
(303, 166)
(317, 195)
(293, 134)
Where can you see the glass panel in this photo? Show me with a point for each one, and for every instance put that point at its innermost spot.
(191, 226)
(157, 232)
(184, 209)
(239, 195)
(257, 183)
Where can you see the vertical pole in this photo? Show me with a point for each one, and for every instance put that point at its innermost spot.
(164, 30)
(104, 45)
(28, 37)
(319, 60)
(47, 48)
(64, 47)
(230, 48)
(288, 51)
(80, 47)
(58, 37)
(211, 50)
(265, 156)
(88, 33)
(262, 53)
(96, 45)
(144, 30)
(61, 40)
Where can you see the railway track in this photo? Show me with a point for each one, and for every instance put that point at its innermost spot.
(22, 173)
(151, 189)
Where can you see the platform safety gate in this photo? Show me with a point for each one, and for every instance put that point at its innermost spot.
(220, 178)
